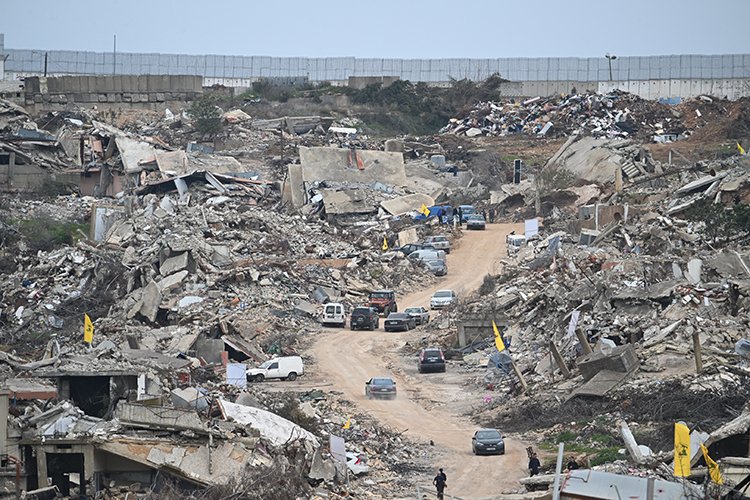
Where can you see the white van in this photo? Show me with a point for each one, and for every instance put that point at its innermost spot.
(333, 315)
(425, 255)
(285, 368)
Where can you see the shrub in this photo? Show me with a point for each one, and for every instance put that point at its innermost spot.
(206, 114)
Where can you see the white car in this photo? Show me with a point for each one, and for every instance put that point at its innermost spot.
(285, 368)
(333, 315)
(443, 298)
(439, 243)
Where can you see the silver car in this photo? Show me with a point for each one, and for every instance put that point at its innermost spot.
(442, 299)
(475, 221)
(420, 314)
(439, 243)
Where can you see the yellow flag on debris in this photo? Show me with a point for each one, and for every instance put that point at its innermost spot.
(424, 210)
(740, 149)
(385, 244)
(681, 450)
(498, 339)
(348, 424)
(713, 467)
(88, 329)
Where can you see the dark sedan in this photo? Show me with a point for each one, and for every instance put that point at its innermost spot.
(488, 442)
(380, 387)
(399, 322)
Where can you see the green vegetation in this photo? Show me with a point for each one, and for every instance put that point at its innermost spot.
(606, 455)
(206, 113)
(722, 223)
(46, 233)
(600, 448)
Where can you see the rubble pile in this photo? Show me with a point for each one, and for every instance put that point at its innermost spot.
(616, 114)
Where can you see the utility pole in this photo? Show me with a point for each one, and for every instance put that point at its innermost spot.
(45, 64)
(610, 57)
(114, 56)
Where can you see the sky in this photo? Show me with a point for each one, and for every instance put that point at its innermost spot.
(382, 28)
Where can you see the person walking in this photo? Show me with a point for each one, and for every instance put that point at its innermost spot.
(440, 483)
(534, 465)
(492, 215)
(484, 214)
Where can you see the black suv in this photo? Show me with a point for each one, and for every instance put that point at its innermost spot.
(431, 359)
(364, 318)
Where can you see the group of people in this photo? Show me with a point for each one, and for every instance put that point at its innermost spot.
(441, 479)
(458, 216)
(535, 464)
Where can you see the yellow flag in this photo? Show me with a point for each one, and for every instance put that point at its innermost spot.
(498, 339)
(681, 450)
(348, 424)
(424, 210)
(88, 329)
(740, 149)
(385, 244)
(713, 467)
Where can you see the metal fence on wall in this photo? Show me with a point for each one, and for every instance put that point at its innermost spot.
(424, 70)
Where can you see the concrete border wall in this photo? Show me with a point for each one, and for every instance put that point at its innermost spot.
(624, 68)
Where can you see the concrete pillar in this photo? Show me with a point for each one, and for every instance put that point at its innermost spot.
(41, 467)
(4, 394)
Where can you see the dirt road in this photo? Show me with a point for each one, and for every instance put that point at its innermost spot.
(429, 406)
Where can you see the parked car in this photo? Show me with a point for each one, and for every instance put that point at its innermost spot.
(439, 243)
(396, 322)
(514, 243)
(380, 387)
(443, 298)
(431, 359)
(475, 221)
(413, 247)
(383, 301)
(333, 315)
(466, 211)
(437, 267)
(425, 255)
(488, 442)
(420, 314)
(285, 368)
(364, 318)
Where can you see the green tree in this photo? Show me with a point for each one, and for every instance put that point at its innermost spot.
(207, 115)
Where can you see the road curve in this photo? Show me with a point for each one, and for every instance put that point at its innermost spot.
(423, 407)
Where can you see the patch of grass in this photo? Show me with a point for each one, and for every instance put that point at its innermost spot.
(566, 437)
(46, 233)
(606, 455)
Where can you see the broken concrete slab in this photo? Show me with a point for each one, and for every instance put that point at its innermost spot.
(406, 204)
(694, 268)
(189, 398)
(173, 281)
(151, 300)
(277, 430)
(325, 163)
(621, 359)
(175, 263)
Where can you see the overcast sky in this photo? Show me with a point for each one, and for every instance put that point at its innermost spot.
(382, 28)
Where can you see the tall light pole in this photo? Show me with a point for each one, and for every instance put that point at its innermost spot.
(610, 57)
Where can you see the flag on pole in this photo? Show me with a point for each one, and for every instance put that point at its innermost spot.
(713, 467)
(681, 450)
(88, 329)
(385, 244)
(740, 149)
(498, 339)
(424, 210)
(347, 424)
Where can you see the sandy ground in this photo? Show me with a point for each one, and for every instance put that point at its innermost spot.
(429, 407)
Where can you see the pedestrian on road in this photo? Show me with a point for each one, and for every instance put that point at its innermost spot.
(460, 216)
(456, 221)
(534, 465)
(492, 215)
(484, 214)
(440, 483)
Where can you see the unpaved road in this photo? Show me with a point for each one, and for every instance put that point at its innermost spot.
(430, 406)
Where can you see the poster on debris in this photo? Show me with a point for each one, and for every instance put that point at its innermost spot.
(573, 322)
(531, 228)
(236, 375)
(338, 448)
